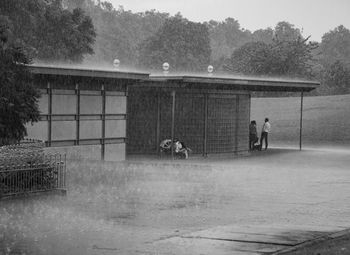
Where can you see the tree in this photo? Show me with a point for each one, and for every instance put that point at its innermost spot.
(65, 36)
(50, 32)
(225, 37)
(228, 36)
(284, 31)
(293, 58)
(18, 97)
(119, 32)
(336, 77)
(251, 58)
(263, 35)
(286, 57)
(183, 44)
(335, 45)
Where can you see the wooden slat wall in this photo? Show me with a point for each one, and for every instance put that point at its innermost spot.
(72, 115)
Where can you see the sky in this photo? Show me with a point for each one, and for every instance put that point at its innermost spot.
(313, 17)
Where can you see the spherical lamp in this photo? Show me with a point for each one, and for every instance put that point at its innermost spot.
(166, 67)
(210, 70)
(116, 63)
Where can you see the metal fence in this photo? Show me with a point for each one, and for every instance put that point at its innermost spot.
(24, 169)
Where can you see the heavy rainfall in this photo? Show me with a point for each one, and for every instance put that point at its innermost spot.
(160, 131)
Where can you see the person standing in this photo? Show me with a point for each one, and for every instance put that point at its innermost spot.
(265, 132)
(253, 134)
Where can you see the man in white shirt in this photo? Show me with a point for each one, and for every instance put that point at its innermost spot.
(264, 133)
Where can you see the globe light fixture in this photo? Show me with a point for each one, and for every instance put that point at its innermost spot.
(210, 70)
(116, 63)
(166, 67)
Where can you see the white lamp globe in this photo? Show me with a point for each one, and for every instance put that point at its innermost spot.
(166, 66)
(116, 63)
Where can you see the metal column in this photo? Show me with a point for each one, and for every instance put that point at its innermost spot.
(205, 141)
(158, 121)
(103, 118)
(301, 119)
(249, 118)
(237, 123)
(49, 135)
(77, 116)
(172, 123)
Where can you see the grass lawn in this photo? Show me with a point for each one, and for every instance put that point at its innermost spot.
(326, 120)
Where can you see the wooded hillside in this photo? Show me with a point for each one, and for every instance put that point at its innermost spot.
(95, 33)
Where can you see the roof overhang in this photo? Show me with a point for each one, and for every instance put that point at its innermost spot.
(179, 81)
(86, 72)
(237, 83)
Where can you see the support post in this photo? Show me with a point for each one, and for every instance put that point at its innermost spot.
(77, 116)
(172, 123)
(126, 116)
(301, 119)
(249, 119)
(158, 123)
(236, 124)
(49, 138)
(205, 142)
(103, 94)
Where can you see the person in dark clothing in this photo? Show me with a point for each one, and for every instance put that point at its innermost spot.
(253, 134)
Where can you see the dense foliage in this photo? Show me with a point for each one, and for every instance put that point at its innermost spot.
(183, 44)
(290, 58)
(335, 46)
(18, 97)
(225, 37)
(286, 53)
(118, 32)
(333, 68)
(49, 31)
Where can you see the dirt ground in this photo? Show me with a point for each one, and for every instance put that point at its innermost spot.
(126, 208)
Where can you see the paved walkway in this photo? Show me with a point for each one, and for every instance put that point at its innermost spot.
(225, 240)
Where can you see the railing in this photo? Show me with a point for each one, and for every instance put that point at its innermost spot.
(26, 169)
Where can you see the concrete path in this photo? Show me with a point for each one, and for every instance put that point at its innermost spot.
(246, 240)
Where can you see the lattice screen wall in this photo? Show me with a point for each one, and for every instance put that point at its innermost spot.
(222, 117)
(207, 123)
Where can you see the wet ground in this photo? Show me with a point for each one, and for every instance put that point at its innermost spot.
(254, 204)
